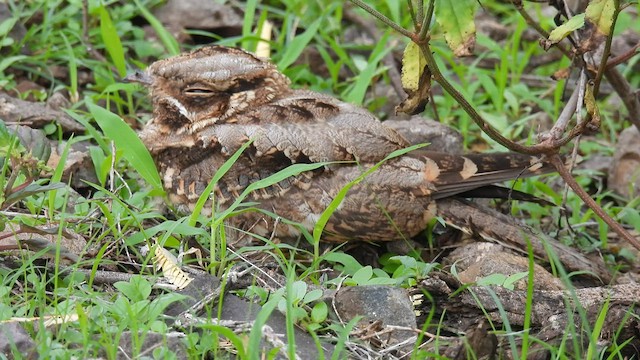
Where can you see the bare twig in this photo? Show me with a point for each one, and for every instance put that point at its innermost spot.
(422, 36)
(383, 18)
(557, 162)
(567, 113)
(623, 57)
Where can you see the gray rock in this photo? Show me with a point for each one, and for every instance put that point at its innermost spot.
(386, 304)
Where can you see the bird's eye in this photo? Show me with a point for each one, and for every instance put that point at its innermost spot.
(198, 91)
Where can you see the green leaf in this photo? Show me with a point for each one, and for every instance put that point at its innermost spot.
(291, 170)
(136, 289)
(112, 42)
(261, 319)
(32, 189)
(456, 18)
(312, 296)
(169, 226)
(363, 275)
(218, 175)
(298, 290)
(600, 13)
(349, 264)
(493, 279)
(319, 312)
(247, 25)
(7, 25)
(567, 28)
(510, 281)
(7, 61)
(57, 175)
(408, 261)
(127, 140)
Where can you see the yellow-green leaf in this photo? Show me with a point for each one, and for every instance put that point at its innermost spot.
(456, 18)
(600, 13)
(567, 28)
(413, 63)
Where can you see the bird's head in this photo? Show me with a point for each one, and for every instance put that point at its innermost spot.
(208, 86)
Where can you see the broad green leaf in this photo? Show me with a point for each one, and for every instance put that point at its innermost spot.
(136, 289)
(630, 216)
(363, 275)
(127, 140)
(600, 13)
(456, 18)
(298, 290)
(349, 264)
(413, 63)
(112, 42)
(7, 25)
(319, 312)
(567, 28)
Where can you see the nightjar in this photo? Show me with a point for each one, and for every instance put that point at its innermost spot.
(211, 101)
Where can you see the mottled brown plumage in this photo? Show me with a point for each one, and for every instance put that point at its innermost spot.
(209, 102)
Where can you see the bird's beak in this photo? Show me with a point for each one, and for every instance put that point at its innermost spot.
(140, 77)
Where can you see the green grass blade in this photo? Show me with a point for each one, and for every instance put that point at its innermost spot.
(219, 174)
(364, 79)
(247, 26)
(256, 331)
(169, 42)
(299, 43)
(326, 214)
(112, 41)
(597, 329)
(285, 173)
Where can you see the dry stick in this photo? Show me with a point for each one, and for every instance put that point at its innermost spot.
(623, 57)
(383, 18)
(557, 162)
(565, 116)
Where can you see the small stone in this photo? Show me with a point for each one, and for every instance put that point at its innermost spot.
(386, 304)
